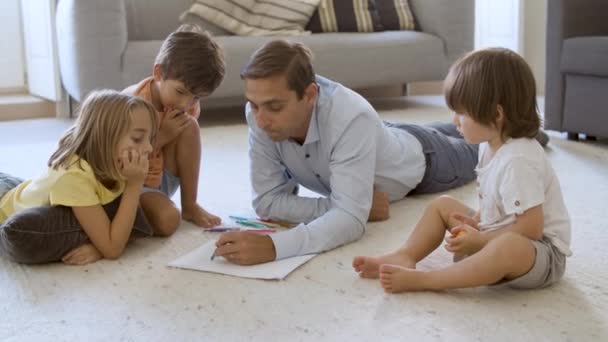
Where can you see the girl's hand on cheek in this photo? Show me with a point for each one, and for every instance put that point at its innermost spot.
(135, 165)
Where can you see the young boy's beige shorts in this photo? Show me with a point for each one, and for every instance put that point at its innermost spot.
(548, 268)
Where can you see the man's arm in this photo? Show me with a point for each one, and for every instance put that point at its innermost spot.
(352, 169)
(273, 190)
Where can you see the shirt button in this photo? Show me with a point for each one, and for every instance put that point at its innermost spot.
(307, 155)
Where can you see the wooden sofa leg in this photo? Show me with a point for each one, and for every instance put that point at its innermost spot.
(572, 136)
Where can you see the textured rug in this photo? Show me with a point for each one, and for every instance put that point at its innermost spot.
(138, 298)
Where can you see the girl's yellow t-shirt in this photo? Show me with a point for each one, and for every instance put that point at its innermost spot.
(75, 186)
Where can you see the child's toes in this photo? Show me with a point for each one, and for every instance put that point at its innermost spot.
(357, 262)
(386, 285)
(388, 269)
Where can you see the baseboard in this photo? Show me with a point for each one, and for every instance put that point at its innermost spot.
(24, 106)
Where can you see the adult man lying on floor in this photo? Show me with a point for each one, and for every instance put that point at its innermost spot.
(307, 130)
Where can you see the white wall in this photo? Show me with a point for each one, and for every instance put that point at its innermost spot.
(535, 28)
(12, 75)
(516, 24)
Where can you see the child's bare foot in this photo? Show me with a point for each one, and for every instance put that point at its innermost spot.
(200, 217)
(82, 255)
(369, 267)
(395, 279)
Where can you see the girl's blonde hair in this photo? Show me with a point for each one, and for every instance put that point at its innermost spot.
(482, 80)
(103, 119)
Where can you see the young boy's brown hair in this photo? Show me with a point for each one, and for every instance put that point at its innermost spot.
(483, 80)
(181, 58)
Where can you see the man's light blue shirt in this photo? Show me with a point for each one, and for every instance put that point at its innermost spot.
(347, 152)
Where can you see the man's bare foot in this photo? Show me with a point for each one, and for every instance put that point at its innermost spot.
(396, 279)
(82, 255)
(200, 217)
(369, 267)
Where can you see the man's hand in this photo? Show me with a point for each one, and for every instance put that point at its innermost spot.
(245, 248)
(172, 126)
(380, 207)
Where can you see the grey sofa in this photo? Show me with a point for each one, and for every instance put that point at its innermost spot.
(112, 44)
(576, 94)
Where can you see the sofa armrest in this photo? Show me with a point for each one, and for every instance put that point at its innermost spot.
(576, 18)
(451, 20)
(91, 36)
(566, 19)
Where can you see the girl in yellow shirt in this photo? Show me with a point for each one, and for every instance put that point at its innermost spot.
(103, 155)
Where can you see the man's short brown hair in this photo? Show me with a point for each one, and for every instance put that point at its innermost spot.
(482, 80)
(191, 56)
(280, 57)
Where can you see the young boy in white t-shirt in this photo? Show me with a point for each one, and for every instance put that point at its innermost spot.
(521, 234)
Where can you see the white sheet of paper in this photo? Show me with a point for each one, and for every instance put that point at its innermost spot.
(200, 260)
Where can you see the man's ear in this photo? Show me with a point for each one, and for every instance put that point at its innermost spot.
(157, 73)
(311, 92)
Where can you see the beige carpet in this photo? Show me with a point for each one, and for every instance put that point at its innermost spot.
(138, 298)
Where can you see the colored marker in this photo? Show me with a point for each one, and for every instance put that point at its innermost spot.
(221, 229)
(237, 229)
(251, 224)
(255, 222)
(260, 231)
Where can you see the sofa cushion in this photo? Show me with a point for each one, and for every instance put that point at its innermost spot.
(345, 16)
(190, 18)
(256, 17)
(395, 15)
(145, 19)
(406, 56)
(585, 55)
(46, 234)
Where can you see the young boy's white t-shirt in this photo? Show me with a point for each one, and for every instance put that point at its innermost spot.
(517, 178)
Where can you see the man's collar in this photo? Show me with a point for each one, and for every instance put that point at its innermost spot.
(313, 128)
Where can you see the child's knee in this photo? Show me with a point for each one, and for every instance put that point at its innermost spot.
(166, 222)
(191, 134)
(444, 201)
(443, 205)
(192, 127)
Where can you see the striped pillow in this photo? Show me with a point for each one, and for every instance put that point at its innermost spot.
(345, 16)
(256, 17)
(395, 15)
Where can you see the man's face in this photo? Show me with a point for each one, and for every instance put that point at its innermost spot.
(277, 109)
